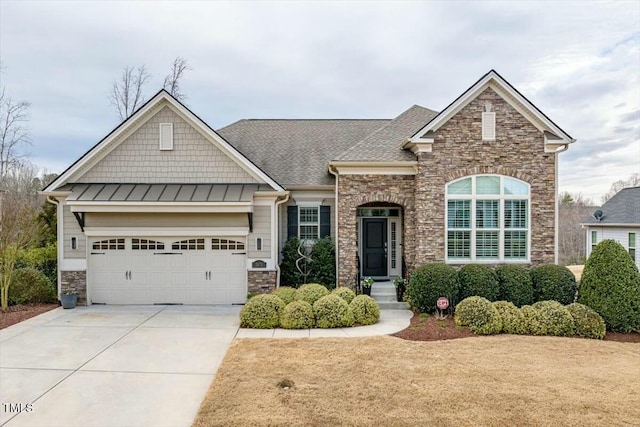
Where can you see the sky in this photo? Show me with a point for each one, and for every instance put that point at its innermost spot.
(578, 62)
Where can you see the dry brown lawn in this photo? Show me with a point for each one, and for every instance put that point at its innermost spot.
(386, 381)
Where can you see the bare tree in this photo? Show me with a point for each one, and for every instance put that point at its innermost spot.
(574, 209)
(633, 181)
(18, 228)
(126, 93)
(14, 132)
(172, 81)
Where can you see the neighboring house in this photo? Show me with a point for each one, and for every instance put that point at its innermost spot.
(618, 219)
(167, 210)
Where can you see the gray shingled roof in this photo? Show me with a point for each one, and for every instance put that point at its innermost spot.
(296, 152)
(623, 208)
(162, 192)
(385, 144)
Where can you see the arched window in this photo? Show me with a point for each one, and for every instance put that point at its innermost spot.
(487, 219)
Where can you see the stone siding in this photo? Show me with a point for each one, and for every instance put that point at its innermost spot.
(75, 280)
(356, 190)
(262, 282)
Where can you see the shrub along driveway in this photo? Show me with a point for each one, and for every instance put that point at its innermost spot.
(112, 365)
(496, 380)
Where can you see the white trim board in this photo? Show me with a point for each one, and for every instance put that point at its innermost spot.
(165, 231)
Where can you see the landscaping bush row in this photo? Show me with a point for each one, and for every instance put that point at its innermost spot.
(309, 306)
(484, 317)
(29, 285)
(511, 283)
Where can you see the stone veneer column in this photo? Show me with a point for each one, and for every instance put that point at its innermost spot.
(77, 281)
(262, 282)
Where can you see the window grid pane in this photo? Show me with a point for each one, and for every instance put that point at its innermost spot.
(308, 215)
(487, 245)
(308, 232)
(459, 244)
(488, 185)
(460, 187)
(487, 214)
(515, 244)
(513, 187)
(515, 214)
(459, 215)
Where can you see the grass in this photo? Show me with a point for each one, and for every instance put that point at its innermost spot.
(498, 380)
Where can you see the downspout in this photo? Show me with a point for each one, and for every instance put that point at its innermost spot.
(333, 171)
(60, 241)
(277, 239)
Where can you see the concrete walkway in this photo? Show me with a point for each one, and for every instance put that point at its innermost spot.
(117, 366)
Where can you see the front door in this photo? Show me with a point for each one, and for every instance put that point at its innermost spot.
(374, 247)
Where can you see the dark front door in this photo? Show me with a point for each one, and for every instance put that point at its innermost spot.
(374, 247)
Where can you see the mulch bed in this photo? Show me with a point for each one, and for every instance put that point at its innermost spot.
(429, 328)
(18, 313)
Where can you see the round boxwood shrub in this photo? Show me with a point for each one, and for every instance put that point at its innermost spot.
(29, 285)
(479, 315)
(345, 293)
(297, 315)
(553, 282)
(365, 310)
(515, 284)
(554, 318)
(610, 285)
(262, 312)
(430, 282)
(513, 321)
(533, 325)
(286, 293)
(588, 323)
(478, 280)
(311, 292)
(331, 311)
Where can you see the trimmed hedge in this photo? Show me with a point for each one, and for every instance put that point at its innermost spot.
(588, 323)
(29, 285)
(297, 315)
(430, 282)
(478, 280)
(553, 282)
(554, 318)
(515, 284)
(262, 312)
(479, 315)
(345, 293)
(365, 310)
(513, 321)
(610, 285)
(531, 317)
(331, 311)
(311, 293)
(286, 293)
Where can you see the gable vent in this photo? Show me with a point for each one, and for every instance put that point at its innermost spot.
(166, 136)
(488, 126)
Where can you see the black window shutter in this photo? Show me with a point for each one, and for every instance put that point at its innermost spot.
(292, 221)
(325, 221)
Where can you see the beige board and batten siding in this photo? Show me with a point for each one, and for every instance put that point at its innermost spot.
(194, 159)
(71, 228)
(262, 229)
(102, 219)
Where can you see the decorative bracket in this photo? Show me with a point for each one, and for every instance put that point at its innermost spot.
(80, 218)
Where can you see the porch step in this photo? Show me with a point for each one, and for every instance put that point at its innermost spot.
(385, 295)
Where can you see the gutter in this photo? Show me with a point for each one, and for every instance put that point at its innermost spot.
(59, 237)
(334, 171)
(277, 239)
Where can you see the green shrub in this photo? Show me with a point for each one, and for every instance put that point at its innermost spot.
(553, 282)
(331, 311)
(297, 315)
(478, 280)
(515, 284)
(554, 318)
(289, 273)
(345, 293)
(513, 321)
(311, 293)
(531, 318)
(365, 310)
(43, 259)
(29, 285)
(430, 282)
(479, 315)
(610, 285)
(323, 263)
(588, 323)
(285, 293)
(262, 312)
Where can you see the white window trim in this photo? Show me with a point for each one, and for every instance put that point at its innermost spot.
(300, 224)
(168, 145)
(473, 197)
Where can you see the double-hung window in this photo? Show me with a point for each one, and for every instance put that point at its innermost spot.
(308, 223)
(632, 246)
(487, 219)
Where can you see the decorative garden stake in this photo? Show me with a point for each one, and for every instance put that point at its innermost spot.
(305, 259)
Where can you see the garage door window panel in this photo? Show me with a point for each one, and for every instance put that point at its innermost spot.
(226, 245)
(188, 245)
(145, 244)
(109, 245)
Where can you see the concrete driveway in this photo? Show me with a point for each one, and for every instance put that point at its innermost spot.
(112, 365)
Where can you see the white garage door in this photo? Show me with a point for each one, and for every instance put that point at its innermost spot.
(149, 270)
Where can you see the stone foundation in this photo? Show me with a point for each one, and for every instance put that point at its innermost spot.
(75, 280)
(262, 282)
